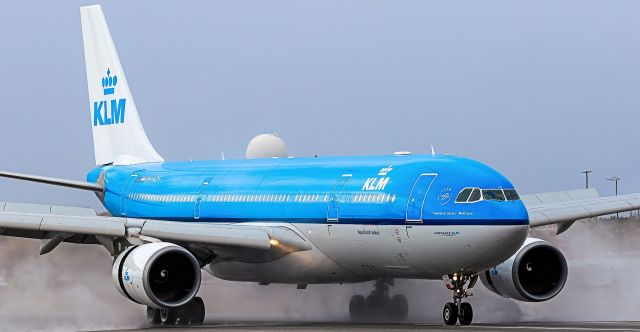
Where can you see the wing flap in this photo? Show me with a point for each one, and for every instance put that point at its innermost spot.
(53, 218)
(231, 235)
(541, 214)
(37, 220)
(83, 225)
(25, 221)
(46, 209)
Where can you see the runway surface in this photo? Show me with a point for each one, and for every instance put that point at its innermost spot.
(317, 327)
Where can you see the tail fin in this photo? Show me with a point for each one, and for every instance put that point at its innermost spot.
(118, 135)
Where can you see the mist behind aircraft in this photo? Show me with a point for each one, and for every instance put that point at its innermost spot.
(71, 288)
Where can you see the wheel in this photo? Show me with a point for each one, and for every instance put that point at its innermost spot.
(466, 314)
(196, 311)
(168, 316)
(399, 307)
(450, 313)
(153, 316)
(377, 306)
(357, 307)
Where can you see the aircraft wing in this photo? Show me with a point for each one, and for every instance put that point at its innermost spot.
(566, 207)
(56, 224)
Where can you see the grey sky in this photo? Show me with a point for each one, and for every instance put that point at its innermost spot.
(538, 89)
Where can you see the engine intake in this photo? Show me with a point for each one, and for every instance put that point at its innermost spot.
(159, 275)
(536, 272)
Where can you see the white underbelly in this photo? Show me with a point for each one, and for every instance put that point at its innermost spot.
(353, 253)
(415, 251)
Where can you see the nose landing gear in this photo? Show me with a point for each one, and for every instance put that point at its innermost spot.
(379, 305)
(457, 310)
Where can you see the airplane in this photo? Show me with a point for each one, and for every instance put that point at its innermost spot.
(296, 221)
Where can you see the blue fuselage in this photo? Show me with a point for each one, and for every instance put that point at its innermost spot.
(380, 190)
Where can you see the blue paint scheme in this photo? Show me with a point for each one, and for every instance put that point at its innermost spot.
(271, 185)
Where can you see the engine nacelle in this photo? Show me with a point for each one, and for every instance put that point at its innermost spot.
(536, 272)
(159, 275)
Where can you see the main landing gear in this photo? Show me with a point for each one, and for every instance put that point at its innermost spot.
(191, 313)
(379, 305)
(457, 310)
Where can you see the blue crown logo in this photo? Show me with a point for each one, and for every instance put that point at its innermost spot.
(109, 83)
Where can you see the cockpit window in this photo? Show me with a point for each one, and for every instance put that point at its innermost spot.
(511, 195)
(493, 195)
(470, 195)
(464, 195)
(475, 195)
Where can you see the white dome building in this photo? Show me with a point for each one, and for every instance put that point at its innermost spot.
(266, 146)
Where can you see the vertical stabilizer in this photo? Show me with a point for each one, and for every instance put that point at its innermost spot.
(118, 135)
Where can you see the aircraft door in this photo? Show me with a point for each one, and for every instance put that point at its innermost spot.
(125, 193)
(333, 205)
(416, 199)
(200, 198)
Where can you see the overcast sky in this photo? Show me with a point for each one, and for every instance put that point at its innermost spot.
(539, 90)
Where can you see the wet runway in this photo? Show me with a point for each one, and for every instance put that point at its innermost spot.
(317, 327)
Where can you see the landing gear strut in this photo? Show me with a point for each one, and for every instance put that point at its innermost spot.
(379, 305)
(191, 313)
(457, 310)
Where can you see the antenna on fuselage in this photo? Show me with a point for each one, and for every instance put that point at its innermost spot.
(433, 151)
(222, 155)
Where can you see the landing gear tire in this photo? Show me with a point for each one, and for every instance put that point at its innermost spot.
(460, 285)
(400, 307)
(153, 316)
(197, 313)
(168, 316)
(378, 306)
(191, 313)
(450, 313)
(357, 307)
(465, 315)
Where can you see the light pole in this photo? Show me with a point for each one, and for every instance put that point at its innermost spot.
(615, 179)
(586, 177)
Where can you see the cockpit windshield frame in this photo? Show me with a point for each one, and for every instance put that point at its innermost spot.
(475, 194)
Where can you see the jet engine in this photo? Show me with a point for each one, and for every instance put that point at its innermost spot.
(159, 275)
(536, 272)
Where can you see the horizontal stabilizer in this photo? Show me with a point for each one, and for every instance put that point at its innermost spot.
(54, 181)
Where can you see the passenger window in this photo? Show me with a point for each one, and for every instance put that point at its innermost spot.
(493, 194)
(463, 196)
(475, 195)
